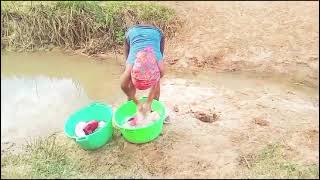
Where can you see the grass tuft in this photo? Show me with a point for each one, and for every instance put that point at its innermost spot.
(44, 158)
(271, 162)
(89, 25)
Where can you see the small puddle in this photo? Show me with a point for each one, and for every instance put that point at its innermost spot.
(40, 90)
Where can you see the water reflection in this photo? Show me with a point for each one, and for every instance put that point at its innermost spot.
(37, 105)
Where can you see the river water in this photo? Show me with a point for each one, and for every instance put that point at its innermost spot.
(40, 90)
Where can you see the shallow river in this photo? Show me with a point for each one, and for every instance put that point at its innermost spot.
(40, 90)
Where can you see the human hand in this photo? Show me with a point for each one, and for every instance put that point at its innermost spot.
(140, 107)
(147, 107)
(135, 100)
(144, 108)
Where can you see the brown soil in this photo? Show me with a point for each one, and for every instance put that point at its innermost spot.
(207, 117)
(275, 37)
(272, 37)
(261, 122)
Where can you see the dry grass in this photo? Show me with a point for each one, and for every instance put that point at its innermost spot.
(44, 158)
(271, 162)
(92, 26)
(57, 157)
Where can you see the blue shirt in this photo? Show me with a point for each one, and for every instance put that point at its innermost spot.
(139, 37)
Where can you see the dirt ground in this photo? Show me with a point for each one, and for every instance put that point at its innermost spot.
(241, 121)
(214, 123)
(275, 37)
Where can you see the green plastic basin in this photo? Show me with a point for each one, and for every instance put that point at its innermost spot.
(94, 111)
(140, 134)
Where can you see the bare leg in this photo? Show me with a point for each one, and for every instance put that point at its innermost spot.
(126, 84)
(157, 91)
(132, 91)
(154, 92)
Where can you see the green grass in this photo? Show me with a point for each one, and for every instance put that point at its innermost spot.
(271, 162)
(89, 25)
(44, 158)
(60, 157)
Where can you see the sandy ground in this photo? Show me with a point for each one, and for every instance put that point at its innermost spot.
(247, 119)
(277, 37)
(272, 37)
(243, 121)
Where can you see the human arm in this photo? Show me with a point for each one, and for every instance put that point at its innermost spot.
(161, 63)
(161, 68)
(127, 85)
(126, 48)
(162, 42)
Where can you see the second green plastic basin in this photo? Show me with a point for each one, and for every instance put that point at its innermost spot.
(94, 111)
(143, 134)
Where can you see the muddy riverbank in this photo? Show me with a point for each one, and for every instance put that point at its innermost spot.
(250, 110)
